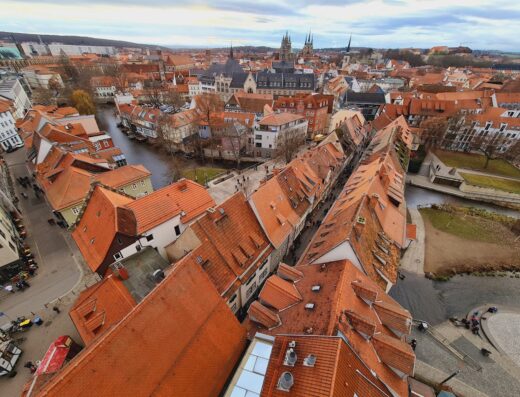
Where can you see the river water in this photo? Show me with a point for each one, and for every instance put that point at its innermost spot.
(417, 196)
(157, 162)
(436, 301)
(136, 152)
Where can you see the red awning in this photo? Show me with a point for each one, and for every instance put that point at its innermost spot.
(55, 356)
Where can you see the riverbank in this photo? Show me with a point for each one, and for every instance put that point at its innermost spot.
(462, 240)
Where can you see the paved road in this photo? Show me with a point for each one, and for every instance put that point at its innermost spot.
(56, 254)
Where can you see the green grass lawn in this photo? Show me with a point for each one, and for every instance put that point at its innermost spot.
(464, 226)
(477, 162)
(493, 182)
(202, 173)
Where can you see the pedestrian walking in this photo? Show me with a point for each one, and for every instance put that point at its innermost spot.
(413, 343)
(56, 309)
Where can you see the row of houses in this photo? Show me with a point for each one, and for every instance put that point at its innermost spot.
(469, 119)
(238, 243)
(326, 321)
(67, 153)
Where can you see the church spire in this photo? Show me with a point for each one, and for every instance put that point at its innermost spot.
(349, 41)
(231, 51)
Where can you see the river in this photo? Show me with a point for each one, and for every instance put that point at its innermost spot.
(416, 196)
(436, 301)
(157, 162)
(136, 152)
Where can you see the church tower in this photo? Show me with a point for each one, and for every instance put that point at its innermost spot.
(285, 48)
(308, 48)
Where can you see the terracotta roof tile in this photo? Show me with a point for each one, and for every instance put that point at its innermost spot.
(337, 302)
(289, 273)
(279, 294)
(337, 370)
(394, 317)
(108, 300)
(262, 315)
(196, 337)
(72, 185)
(233, 244)
(395, 353)
(98, 226)
(185, 198)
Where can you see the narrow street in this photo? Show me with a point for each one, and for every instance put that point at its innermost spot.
(61, 274)
(314, 219)
(59, 261)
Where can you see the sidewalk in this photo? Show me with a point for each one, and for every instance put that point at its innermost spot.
(413, 258)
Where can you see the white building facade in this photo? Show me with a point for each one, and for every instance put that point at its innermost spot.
(9, 138)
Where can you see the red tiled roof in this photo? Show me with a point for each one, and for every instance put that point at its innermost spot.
(98, 226)
(411, 231)
(179, 334)
(72, 185)
(280, 118)
(337, 371)
(339, 306)
(289, 272)
(107, 302)
(278, 208)
(184, 197)
(395, 353)
(279, 294)
(231, 242)
(262, 315)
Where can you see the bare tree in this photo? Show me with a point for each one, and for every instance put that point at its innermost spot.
(165, 128)
(440, 131)
(513, 152)
(116, 71)
(434, 131)
(44, 96)
(488, 146)
(173, 98)
(288, 143)
(154, 95)
(175, 167)
(205, 106)
(234, 135)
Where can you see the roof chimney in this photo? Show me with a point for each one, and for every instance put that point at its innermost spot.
(309, 361)
(286, 381)
(290, 357)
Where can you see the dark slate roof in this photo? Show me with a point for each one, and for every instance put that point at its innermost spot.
(283, 67)
(228, 69)
(196, 72)
(296, 81)
(365, 97)
(506, 66)
(238, 80)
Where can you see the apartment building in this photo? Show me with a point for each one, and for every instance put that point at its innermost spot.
(278, 129)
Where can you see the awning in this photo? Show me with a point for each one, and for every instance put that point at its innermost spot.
(55, 356)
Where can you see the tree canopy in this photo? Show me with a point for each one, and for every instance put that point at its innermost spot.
(83, 102)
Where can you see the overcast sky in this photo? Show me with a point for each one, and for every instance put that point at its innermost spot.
(479, 24)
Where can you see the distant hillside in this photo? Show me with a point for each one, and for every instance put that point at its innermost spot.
(78, 40)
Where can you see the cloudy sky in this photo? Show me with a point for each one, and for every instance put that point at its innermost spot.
(479, 24)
